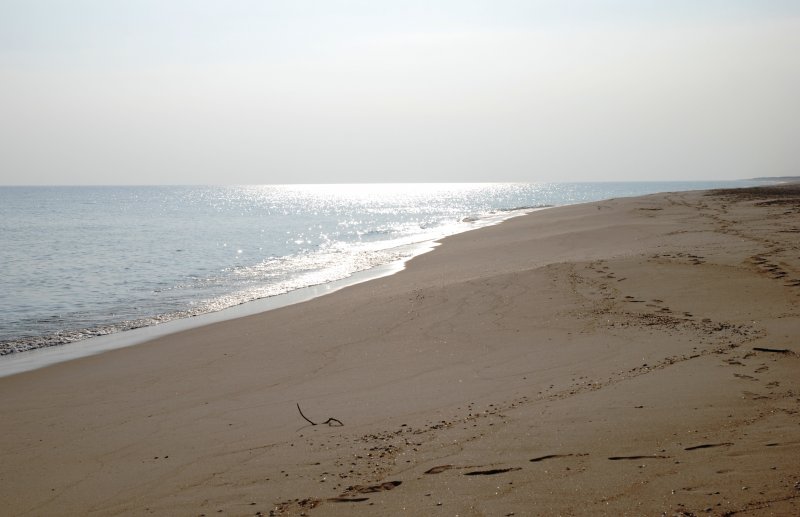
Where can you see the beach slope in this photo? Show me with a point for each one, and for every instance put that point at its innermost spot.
(629, 357)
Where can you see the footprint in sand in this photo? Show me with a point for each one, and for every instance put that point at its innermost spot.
(439, 469)
(754, 396)
(362, 489)
(707, 446)
(639, 457)
(347, 499)
(552, 456)
(491, 472)
(773, 350)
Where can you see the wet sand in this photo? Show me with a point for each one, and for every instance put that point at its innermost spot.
(628, 357)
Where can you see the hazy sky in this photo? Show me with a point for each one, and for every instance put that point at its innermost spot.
(296, 91)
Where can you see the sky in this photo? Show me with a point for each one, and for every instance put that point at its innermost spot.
(339, 91)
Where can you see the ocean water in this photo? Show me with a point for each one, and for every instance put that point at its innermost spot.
(78, 262)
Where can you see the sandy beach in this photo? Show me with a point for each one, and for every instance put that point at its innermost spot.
(628, 357)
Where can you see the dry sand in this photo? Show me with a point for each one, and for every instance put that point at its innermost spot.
(599, 359)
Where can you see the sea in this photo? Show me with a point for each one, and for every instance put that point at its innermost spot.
(87, 261)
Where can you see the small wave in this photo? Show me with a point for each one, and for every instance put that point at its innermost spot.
(63, 337)
(525, 207)
(488, 216)
(382, 232)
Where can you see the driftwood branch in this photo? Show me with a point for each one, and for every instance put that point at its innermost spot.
(305, 417)
(329, 421)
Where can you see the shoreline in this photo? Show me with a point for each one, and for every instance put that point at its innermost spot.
(28, 360)
(46, 323)
(629, 356)
(41, 357)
